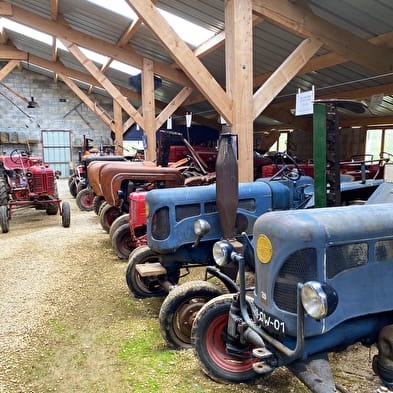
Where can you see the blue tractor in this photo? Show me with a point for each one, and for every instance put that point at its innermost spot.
(322, 282)
(184, 223)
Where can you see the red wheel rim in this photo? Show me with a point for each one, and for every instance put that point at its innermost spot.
(216, 349)
(87, 200)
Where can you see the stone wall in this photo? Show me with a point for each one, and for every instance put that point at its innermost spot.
(59, 109)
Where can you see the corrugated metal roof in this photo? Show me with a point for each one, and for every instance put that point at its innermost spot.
(272, 44)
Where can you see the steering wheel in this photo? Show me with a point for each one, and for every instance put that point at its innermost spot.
(283, 169)
(16, 156)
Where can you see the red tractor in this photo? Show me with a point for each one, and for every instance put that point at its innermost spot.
(26, 182)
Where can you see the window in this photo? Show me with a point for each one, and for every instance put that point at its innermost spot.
(379, 140)
(281, 143)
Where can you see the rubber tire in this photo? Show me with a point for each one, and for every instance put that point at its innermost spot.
(98, 201)
(149, 286)
(84, 200)
(73, 188)
(108, 214)
(121, 220)
(180, 308)
(207, 337)
(52, 209)
(3, 192)
(121, 240)
(66, 216)
(101, 207)
(81, 186)
(4, 221)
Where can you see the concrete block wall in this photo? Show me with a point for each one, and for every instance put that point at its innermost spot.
(53, 113)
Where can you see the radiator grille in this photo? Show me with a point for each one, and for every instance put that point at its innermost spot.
(345, 257)
(299, 267)
(44, 183)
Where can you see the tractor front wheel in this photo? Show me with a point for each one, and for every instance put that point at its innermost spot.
(4, 221)
(149, 285)
(208, 337)
(84, 200)
(180, 308)
(108, 214)
(121, 241)
(66, 214)
(3, 192)
(121, 220)
(98, 201)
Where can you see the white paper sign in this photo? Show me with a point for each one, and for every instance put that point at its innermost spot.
(305, 103)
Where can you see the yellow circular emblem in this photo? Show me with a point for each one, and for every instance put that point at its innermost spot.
(264, 249)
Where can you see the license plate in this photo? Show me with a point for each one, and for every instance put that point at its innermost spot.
(271, 323)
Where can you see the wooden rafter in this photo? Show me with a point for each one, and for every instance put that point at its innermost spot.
(123, 41)
(172, 106)
(8, 68)
(125, 55)
(89, 103)
(300, 20)
(184, 57)
(288, 69)
(314, 64)
(104, 81)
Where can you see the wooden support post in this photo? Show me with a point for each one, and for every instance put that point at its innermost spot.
(319, 155)
(239, 71)
(148, 106)
(117, 114)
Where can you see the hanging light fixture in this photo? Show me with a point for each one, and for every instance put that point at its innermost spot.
(32, 103)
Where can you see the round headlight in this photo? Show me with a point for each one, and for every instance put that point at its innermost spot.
(222, 252)
(201, 227)
(319, 300)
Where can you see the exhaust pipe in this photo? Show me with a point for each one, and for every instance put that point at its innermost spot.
(227, 187)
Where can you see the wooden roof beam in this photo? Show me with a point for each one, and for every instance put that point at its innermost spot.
(300, 20)
(280, 78)
(8, 68)
(314, 64)
(89, 103)
(184, 57)
(125, 55)
(105, 82)
(123, 41)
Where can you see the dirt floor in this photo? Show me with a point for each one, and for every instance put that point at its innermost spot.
(69, 324)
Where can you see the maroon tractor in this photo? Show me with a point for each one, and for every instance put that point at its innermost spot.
(26, 182)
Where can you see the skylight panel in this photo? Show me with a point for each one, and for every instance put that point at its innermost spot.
(117, 65)
(27, 31)
(120, 7)
(187, 31)
(94, 56)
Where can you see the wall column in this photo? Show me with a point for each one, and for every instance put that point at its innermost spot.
(148, 106)
(239, 79)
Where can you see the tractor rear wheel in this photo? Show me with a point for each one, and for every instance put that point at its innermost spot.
(84, 200)
(180, 308)
(66, 214)
(109, 214)
(148, 286)
(4, 222)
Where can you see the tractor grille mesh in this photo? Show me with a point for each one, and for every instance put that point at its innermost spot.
(44, 183)
(298, 268)
(345, 257)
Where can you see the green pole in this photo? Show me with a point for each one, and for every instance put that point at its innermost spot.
(319, 121)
